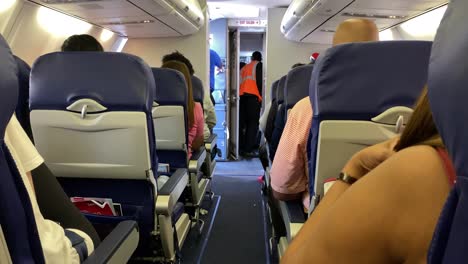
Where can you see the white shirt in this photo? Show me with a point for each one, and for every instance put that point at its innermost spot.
(56, 246)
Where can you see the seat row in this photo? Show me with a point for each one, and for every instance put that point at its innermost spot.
(354, 105)
(108, 126)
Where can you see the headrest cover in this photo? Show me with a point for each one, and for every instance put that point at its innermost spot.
(198, 91)
(361, 80)
(171, 88)
(297, 83)
(274, 90)
(280, 90)
(118, 81)
(8, 85)
(448, 83)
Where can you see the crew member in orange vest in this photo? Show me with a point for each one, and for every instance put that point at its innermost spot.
(251, 83)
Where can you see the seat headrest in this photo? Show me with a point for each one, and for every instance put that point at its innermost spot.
(118, 81)
(297, 83)
(8, 85)
(280, 90)
(448, 81)
(198, 91)
(361, 80)
(171, 88)
(274, 90)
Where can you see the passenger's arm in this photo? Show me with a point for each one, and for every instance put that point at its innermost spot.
(199, 124)
(387, 216)
(288, 171)
(209, 111)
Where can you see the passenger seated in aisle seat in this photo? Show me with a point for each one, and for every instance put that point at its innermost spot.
(208, 108)
(82, 42)
(266, 110)
(56, 245)
(289, 171)
(194, 110)
(389, 214)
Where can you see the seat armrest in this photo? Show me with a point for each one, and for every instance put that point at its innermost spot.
(173, 181)
(211, 142)
(171, 192)
(293, 216)
(197, 160)
(118, 246)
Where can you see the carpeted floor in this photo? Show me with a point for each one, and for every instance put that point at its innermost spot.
(235, 228)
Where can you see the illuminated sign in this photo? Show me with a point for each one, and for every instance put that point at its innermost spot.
(247, 23)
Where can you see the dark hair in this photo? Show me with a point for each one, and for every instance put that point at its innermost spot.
(257, 56)
(82, 42)
(177, 56)
(181, 67)
(297, 65)
(420, 129)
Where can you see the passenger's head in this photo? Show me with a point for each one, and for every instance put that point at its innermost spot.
(355, 30)
(297, 65)
(81, 43)
(257, 56)
(181, 67)
(421, 129)
(177, 56)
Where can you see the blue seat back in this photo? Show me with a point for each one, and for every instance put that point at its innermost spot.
(359, 81)
(280, 117)
(274, 90)
(270, 124)
(17, 219)
(448, 93)
(170, 117)
(280, 90)
(22, 108)
(198, 91)
(92, 123)
(297, 82)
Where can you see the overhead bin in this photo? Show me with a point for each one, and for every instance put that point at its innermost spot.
(136, 18)
(184, 16)
(304, 16)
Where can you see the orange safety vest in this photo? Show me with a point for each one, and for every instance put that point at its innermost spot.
(248, 83)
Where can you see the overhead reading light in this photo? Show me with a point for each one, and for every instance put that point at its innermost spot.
(386, 35)
(352, 14)
(426, 24)
(6, 4)
(106, 35)
(128, 22)
(60, 24)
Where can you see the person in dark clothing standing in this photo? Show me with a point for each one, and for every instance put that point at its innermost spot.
(250, 93)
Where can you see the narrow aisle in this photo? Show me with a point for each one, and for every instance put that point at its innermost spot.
(238, 233)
